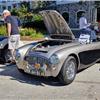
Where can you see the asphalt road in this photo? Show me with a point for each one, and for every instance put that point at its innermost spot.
(16, 86)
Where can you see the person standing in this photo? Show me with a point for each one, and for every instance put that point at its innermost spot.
(85, 27)
(83, 22)
(12, 31)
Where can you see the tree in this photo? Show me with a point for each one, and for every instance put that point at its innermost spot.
(41, 4)
(23, 12)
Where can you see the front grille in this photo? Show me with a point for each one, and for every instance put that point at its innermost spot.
(33, 59)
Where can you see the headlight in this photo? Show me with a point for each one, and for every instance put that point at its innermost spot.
(54, 59)
(17, 54)
(1, 46)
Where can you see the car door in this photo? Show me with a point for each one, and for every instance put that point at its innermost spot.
(90, 54)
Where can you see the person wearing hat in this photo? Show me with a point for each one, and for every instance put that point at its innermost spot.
(12, 31)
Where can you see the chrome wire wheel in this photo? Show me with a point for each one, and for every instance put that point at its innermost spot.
(68, 71)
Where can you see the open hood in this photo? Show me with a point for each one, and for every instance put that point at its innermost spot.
(55, 24)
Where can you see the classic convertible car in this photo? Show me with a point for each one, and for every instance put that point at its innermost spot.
(61, 55)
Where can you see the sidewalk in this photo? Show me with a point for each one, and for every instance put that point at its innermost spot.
(26, 42)
(30, 41)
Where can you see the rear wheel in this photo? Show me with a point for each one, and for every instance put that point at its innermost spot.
(68, 71)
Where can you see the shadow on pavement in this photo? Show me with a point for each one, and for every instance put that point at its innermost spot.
(11, 70)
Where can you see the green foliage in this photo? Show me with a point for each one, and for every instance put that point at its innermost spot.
(21, 12)
(26, 4)
(15, 12)
(24, 32)
(31, 32)
(3, 30)
(44, 3)
(24, 15)
(37, 17)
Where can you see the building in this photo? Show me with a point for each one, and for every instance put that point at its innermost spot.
(7, 4)
(72, 11)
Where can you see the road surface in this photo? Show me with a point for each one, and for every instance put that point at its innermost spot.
(16, 86)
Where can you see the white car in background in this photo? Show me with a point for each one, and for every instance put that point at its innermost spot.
(4, 52)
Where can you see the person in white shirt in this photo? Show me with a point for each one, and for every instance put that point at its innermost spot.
(85, 27)
(83, 22)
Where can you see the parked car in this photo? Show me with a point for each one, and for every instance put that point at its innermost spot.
(5, 55)
(58, 56)
(1, 22)
(4, 52)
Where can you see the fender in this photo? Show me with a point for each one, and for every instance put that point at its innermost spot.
(3, 42)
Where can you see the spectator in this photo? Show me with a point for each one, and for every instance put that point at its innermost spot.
(85, 28)
(83, 21)
(12, 31)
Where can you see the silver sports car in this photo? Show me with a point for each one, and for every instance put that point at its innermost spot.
(61, 55)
